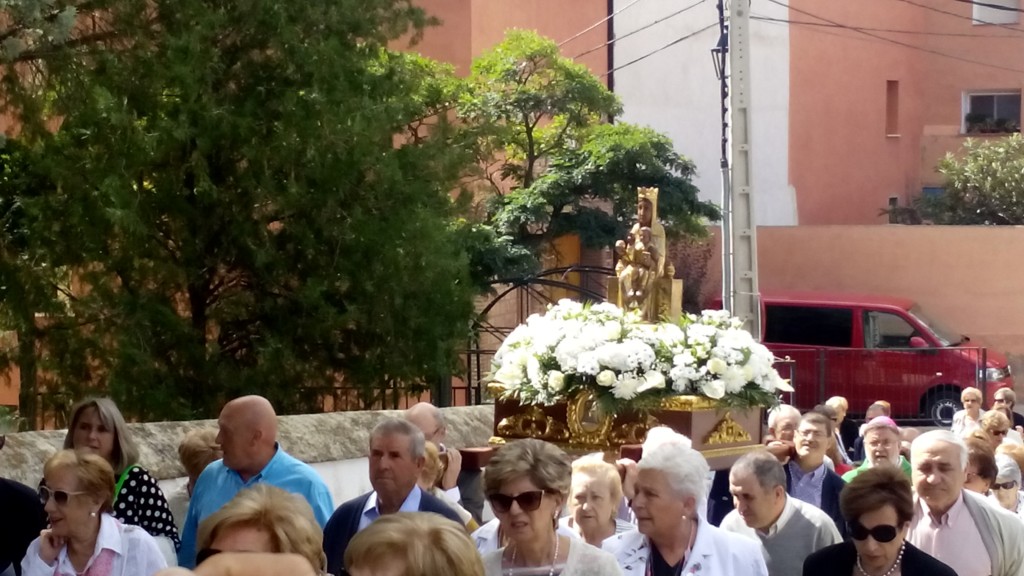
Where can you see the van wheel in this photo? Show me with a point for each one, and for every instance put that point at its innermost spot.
(940, 407)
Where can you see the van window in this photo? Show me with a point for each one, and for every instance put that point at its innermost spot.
(886, 330)
(809, 326)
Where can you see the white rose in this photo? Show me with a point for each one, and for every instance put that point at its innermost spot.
(653, 380)
(713, 389)
(556, 381)
(717, 366)
(626, 388)
(606, 378)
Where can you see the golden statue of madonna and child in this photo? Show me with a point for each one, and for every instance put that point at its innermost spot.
(645, 279)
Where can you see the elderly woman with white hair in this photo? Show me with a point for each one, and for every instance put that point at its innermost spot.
(671, 537)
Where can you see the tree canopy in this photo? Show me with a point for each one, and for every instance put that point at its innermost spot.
(550, 163)
(985, 185)
(234, 198)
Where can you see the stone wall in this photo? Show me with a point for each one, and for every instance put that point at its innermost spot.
(312, 438)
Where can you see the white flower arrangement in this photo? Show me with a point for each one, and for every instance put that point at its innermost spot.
(628, 364)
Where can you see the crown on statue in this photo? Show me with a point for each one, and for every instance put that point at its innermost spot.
(649, 194)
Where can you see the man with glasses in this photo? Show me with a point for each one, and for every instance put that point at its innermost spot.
(789, 530)
(23, 517)
(460, 485)
(954, 525)
(1006, 398)
(808, 476)
(396, 459)
(881, 447)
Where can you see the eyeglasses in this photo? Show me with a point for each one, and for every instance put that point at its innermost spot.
(528, 501)
(999, 432)
(1005, 485)
(882, 533)
(811, 433)
(59, 496)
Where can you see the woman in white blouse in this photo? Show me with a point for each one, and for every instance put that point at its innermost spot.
(84, 539)
(672, 537)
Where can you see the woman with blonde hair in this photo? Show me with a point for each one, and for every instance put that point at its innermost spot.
(412, 544)
(430, 481)
(996, 424)
(196, 451)
(84, 537)
(594, 499)
(263, 518)
(97, 427)
(527, 482)
(969, 419)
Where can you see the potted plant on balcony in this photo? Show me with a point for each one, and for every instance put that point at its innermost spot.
(975, 122)
(595, 377)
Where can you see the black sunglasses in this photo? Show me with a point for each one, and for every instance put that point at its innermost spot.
(881, 533)
(1005, 485)
(528, 501)
(61, 497)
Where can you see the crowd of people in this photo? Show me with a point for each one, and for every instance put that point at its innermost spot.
(826, 496)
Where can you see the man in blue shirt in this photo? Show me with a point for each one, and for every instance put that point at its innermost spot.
(396, 460)
(248, 437)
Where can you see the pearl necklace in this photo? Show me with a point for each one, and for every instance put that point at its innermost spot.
(895, 565)
(554, 559)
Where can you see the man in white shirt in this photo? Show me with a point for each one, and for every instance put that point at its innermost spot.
(789, 530)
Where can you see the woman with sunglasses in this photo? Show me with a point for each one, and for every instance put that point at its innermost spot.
(1006, 488)
(526, 483)
(878, 506)
(263, 518)
(996, 425)
(84, 539)
(97, 427)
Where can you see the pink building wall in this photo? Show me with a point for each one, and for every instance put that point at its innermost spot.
(964, 277)
(844, 165)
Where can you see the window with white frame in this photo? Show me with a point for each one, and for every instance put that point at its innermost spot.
(996, 11)
(995, 111)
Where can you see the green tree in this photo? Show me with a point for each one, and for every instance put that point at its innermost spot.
(983, 185)
(253, 197)
(550, 162)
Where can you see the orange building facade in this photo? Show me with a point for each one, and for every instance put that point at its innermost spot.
(881, 90)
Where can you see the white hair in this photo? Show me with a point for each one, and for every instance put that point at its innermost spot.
(925, 440)
(684, 468)
(781, 411)
(660, 435)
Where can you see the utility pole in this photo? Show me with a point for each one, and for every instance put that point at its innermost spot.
(739, 232)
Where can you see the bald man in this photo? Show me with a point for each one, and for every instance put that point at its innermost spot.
(460, 485)
(248, 437)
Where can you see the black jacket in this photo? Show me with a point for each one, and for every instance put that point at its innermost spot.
(344, 524)
(831, 486)
(23, 519)
(840, 559)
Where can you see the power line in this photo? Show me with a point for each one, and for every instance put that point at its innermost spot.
(961, 16)
(899, 42)
(598, 23)
(665, 47)
(887, 30)
(640, 29)
(992, 6)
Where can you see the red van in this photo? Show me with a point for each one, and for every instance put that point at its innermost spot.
(868, 348)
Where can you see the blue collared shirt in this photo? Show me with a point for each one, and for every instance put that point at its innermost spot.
(807, 487)
(371, 512)
(218, 484)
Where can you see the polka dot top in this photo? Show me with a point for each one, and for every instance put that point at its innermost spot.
(141, 503)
